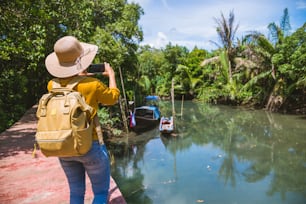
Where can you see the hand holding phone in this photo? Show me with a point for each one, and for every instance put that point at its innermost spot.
(96, 68)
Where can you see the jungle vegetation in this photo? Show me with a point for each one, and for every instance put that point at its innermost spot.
(256, 70)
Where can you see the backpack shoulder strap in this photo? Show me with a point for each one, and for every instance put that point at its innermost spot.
(56, 83)
(71, 84)
(74, 81)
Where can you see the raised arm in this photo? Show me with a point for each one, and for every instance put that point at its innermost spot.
(109, 72)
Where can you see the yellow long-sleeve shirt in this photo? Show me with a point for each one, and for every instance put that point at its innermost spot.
(94, 91)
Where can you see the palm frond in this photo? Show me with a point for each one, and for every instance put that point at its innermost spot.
(212, 60)
(285, 23)
(301, 81)
(241, 62)
(254, 80)
(144, 82)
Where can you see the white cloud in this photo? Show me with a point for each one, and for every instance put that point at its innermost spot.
(301, 4)
(161, 40)
(157, 41)
(140, 2)
(191, 22)
(165, 4)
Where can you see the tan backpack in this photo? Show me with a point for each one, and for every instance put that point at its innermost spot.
(65, 121)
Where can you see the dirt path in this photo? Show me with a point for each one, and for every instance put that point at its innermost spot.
(27, 179)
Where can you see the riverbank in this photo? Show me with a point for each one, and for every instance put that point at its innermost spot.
(28, 178)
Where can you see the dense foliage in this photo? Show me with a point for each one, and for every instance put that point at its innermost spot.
(29, 30)
(259, 71)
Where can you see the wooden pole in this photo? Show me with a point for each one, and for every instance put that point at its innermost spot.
(123, 104)
(122, 86)
(182, 106)
(123, 113)
(172, 99)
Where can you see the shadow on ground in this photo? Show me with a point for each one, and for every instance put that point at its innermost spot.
(20, 137)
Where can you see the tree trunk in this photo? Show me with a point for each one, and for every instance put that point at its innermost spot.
(276, 99)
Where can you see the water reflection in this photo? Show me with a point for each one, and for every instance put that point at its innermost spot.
(221, 155)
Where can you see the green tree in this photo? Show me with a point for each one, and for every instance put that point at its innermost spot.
(222, 63)
(189, 75)
(267, 52)
(186, 83)
(291, 63)
(150, 61)
(174, 56)
(29, 30)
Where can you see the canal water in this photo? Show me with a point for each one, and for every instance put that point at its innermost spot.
(220, 155)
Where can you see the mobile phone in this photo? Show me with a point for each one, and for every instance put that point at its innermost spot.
(96, 68)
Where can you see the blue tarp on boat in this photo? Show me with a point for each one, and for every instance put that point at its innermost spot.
(152, 98)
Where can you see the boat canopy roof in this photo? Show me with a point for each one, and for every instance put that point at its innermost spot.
(154, 109)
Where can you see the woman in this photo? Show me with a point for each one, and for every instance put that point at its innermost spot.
(70, 59)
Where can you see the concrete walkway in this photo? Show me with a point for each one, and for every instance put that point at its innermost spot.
(35, 179)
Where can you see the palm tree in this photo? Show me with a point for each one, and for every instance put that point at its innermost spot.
(278, 33)
(187, 81)
(265, 49)
(226, 32)
(225, 59)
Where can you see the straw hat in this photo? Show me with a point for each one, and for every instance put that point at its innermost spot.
(70, 57)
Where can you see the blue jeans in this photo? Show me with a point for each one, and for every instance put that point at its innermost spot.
(96, 164)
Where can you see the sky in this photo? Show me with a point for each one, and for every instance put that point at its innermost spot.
(191, 23)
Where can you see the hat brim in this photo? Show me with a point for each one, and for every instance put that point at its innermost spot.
(57, 69)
